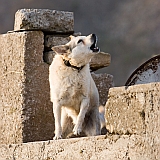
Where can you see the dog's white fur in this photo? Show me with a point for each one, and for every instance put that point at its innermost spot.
(73, 91)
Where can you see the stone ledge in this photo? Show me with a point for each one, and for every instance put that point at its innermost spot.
(134, 110)
(100, 60)
(44, 20)
(111, 147)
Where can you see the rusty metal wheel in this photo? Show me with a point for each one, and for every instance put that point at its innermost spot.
(148, 72)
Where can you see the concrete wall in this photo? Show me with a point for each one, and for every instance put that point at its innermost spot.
(139, 146)
(129, 109)
(111, 147)
(136, 110)
(25, 108)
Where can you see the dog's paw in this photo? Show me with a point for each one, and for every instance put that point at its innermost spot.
(77, 130)
(57, 137)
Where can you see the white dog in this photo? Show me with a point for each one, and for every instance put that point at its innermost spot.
(73, 91)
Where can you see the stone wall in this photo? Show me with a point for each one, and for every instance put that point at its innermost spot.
(113, 147)
(26, 112)
(25, 108)
(131, 146)
(132, 113)
(136, 110)
(129, 109)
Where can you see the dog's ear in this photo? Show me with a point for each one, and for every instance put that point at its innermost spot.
(62, 49)
(71, 37)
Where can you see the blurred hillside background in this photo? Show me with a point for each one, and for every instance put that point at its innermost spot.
(128, 30)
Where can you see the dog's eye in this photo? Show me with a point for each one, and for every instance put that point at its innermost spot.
(80, 41)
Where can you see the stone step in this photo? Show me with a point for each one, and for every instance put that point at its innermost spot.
(111, 147)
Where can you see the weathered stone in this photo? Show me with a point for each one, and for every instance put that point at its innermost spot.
(48, 57)
(112, 147)
(52, 40)
(100, 60)
(103, 82)
(55, 40)
(45, 20)
(25, 109)
(134, 110)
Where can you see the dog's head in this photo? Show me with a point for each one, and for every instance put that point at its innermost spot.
(79, 50)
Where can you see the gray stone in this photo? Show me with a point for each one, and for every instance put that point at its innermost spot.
(103, 82)
(45, 20)
(25, 109)
(48, 57)
(52, 40)
(55, 40)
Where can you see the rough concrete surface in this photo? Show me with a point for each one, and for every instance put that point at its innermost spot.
(136, 110)
(53, 40)
(131, 109)
(44, 19)
(26, 110)
(111, 147)
(100, 60)
(103, 82)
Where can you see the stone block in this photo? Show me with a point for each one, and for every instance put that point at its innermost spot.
(103, 82)
(100, 60)
(45, 20)
(53, 40)
(111, 147)
(134, 110)
(25, 109)
(49, 42)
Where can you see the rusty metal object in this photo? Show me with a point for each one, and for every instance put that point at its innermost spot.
(148, 72)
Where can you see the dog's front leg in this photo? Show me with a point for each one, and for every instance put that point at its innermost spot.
(80, 119)
(57, 116)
